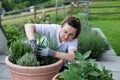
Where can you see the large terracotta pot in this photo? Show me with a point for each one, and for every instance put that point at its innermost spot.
(33, 73)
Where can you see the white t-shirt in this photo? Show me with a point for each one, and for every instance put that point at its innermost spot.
(53, 31)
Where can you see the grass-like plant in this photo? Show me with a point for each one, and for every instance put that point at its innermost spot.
(17, 50)
(28, 59)
(92, 41)
(84, 68)
(20, 53)
(47, 42)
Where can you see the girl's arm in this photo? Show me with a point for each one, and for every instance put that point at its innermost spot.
(30, 31)
(70, 56)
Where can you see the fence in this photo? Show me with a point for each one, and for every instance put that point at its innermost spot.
(87, 10)
(30, 13)
(34, 13)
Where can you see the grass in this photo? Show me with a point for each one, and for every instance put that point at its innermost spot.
(105, 3)
(109, 23)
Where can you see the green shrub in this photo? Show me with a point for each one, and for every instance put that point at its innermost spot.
(56, 19)
(28, 59)
(49, 5)
(85, 69)
(86, 26)
(17, 50)
(14, 32)
(89, 40)
(37, 20)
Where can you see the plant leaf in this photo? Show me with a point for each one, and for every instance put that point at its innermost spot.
(94, 73)
(87, 54)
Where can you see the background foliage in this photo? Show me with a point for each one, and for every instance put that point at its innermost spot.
(19, 4)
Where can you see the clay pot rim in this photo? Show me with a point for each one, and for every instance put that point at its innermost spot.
(31, 67)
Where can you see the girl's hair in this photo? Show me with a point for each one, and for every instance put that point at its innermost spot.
(73, 22)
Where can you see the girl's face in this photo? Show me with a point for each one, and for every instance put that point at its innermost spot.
(67, 33)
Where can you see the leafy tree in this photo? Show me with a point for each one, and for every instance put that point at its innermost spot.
(7, 4)
(26, 3)
(22, 5)
(18, 4)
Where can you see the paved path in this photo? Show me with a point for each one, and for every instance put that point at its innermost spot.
(109, 60)
(4, 73)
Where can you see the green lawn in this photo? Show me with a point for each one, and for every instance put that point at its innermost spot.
(108, 23)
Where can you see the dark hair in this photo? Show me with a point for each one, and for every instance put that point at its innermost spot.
(74, 22)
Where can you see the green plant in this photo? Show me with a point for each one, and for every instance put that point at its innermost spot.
(17, 50)
(52, 44)
(37, 20)
(84, 68)
(20, 53)
(13, 32)
(91, 40)
(45, 60)
(28, 59)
